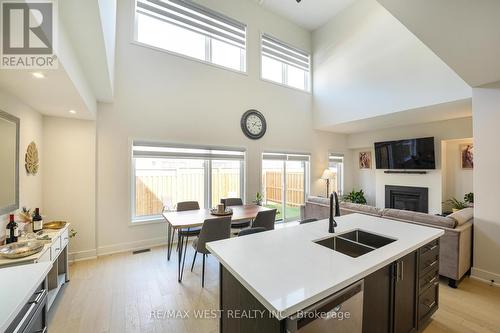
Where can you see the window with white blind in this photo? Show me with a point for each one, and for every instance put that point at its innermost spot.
(285, 64)
(191, 30)
(164, 175)
(336, 164)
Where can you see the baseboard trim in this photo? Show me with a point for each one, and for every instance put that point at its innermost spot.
(82, 255)
(485, 276)
(130, 246)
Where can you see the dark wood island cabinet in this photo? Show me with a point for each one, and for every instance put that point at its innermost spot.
(401, 297)
(398, 298)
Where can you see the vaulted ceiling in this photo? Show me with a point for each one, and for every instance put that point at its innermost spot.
(370, 71)
(412, 65)
(309, 14)
(465, 34)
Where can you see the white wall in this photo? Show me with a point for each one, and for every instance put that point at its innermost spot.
(107, 11)
(366, 64)
(163, 97)
(457, 181)
(373, 182)
(69, 179)
(69, 61)
(486, 108)
(30, 187)
(87, 30)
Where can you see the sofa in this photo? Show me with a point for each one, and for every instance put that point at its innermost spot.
(456, 243)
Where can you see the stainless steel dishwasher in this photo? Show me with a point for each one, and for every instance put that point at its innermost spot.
(341, 312)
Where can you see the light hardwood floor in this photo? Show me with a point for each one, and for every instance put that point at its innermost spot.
(117, 293)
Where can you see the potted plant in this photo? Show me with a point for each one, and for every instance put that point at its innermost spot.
(456, 204)
(258, 199)
(355, 197)
(72, 233)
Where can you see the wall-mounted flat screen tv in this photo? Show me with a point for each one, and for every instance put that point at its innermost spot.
(411, 154)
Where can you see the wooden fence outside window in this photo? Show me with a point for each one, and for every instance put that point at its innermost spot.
(153, 191)
(273, 187)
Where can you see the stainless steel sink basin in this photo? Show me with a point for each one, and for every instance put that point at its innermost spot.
(367, 238)
(355, 243)
(345, 246)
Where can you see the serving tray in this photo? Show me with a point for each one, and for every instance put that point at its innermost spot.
(228, 212)
(54, 225)
(21, 249)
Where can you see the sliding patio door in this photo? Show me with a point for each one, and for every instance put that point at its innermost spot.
(285, 183)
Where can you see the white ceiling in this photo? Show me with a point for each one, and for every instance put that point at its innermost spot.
(464, 33)
(440, 112)
(83, 72)
(53, 95)
(309, 14)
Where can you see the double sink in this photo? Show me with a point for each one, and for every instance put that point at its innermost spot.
(355, 243)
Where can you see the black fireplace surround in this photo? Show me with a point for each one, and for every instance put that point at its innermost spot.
(407, 198)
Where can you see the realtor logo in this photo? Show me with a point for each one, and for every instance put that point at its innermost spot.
(28, 34)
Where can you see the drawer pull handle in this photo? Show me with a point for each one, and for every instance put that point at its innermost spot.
(25, 318)
(57, 249)
(39, 296)
(432, 280)
(430, 248)
(430, 306)
(431, 264)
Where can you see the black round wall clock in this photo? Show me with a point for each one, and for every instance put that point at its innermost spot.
(253, 124)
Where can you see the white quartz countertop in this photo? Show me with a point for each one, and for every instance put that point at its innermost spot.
(53, 234)
(287, 272)
(17, 285)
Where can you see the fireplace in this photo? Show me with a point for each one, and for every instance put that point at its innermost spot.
(407, 198)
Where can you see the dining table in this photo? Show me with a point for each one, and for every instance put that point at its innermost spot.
(195, 218)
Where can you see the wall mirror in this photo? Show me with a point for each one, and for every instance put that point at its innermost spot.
(9, 163)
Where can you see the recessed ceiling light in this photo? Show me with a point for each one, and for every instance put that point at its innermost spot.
(38, 75)
(72, 111)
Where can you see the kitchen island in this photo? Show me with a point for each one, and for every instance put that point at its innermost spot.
(279, 274)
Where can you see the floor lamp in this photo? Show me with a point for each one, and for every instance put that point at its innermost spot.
(328, 175)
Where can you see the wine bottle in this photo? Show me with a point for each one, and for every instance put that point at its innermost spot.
(12, 230)
(37, 221)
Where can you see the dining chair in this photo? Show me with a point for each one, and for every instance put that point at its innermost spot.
(236, 202)
(186, 232)
(250, 231)
(187, 205)
(265, 219)
(213, 230)
(232, 201)
(308, 220)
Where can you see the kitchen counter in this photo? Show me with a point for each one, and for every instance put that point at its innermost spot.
(52, 233)
(18, 284)
(287, 272)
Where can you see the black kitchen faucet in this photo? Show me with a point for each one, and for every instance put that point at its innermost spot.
(332, 223)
